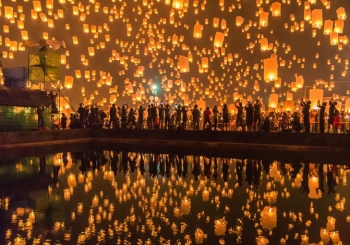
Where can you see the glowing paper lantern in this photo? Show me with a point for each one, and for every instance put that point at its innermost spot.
(315, 95)
(288, 105)
(49, 4)
(263, 19)
(276, 9)
(68, 82)
(307, 14)
(37, 6)
(178, 4)
(219, 39)
(270, 69)
(300, 81)
(239, 20)
(216, 22)
(91, 51)
(273, 101)
(317, 18)
(341, 13)
(205, 62)
(24, 35)
(339, 26)
(328, 27)
(278, 83)
(264, 44)
(197, 31)
(8, 12)
(347, 105)
(334, 38)
(183, 64)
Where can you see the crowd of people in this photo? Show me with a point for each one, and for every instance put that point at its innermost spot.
(248, 117)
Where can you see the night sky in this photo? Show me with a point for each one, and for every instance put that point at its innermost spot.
(151, 30)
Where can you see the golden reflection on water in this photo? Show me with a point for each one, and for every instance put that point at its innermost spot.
(214, 205)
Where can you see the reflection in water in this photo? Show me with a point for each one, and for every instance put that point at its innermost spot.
(137, 198)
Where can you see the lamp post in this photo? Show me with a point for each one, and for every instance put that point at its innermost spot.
(154, 89)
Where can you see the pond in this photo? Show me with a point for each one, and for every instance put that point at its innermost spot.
(114, 197)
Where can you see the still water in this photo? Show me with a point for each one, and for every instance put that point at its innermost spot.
(112, 197)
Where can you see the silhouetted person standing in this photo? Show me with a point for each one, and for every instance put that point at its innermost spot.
(249, 116)
(225, 115)
(257, 115)
(40, 111)
(321, 115)
(64, 121)
(207, 115)
(82, 113)
(184, 116)
(141, 117)
(167, 115)
(112, 116)
(331, 113)
(195, 116)
(239, 121)
(306, 114)
(124, 111)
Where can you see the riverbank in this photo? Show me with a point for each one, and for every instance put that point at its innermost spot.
(324, 147)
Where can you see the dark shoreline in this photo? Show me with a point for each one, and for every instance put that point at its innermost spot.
(323, 148)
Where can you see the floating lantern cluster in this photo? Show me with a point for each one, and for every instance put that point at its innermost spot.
(222, 58)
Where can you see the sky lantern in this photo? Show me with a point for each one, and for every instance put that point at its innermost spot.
(328, 27)
(178, 4)
(315, 95)
(49, 4)
(37, 6)
(216, 22)
(273, 100)
(270, 69)
(264, 44)
(334, 38)
(276, 9)
(223, 24)
(24, 35)
(263, 19)
(317, 18)
(197, 31)
(219, 39)
(307, 14)
(239, 20)
(288, 105)
(68, 82)
(8, 12)
(347, 105)
(289, 96)
(91, 51)
(205, 62)
(299, 81)
(183, 64)
(278, 82)
(339, 26)
(341, 14)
